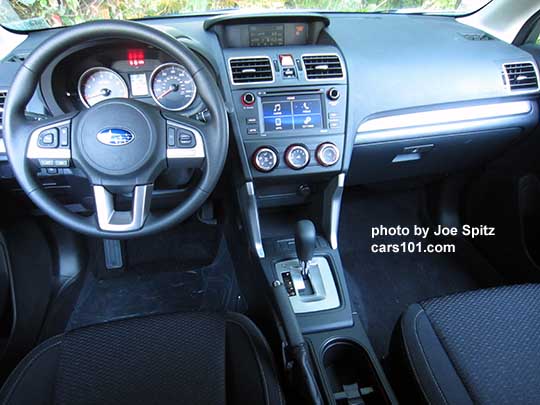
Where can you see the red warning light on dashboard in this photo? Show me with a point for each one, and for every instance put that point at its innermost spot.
(135, 57)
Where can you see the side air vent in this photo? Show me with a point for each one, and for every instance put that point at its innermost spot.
(322, 67)
(251, 70)
(520, 76)
(3, 94)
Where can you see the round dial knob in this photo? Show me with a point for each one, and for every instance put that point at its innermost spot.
(333, 94)
(296, 157)
(248, 99)
(327, 154)
(265, 159)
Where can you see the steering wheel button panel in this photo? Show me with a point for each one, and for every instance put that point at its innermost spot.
(50, 142)
(188, 143)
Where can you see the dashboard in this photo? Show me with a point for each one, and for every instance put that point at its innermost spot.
(314, 95)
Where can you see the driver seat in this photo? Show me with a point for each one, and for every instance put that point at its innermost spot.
(182, 358)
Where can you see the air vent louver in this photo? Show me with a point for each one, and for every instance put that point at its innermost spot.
(521, 76)
(321, 67)
(251, 70)
(3, 94)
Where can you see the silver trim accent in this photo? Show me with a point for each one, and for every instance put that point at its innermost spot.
(122, 221)
(325, 295)
(507, 79)
(187, 153)
(34, 151)
(251, 57)
(248, 207)
(259, 167)
(423, 123)
(332, 208)
(321, 148)
(343, 69)
(2, 146)
(292, 148)
(151, 82)
(86, 72)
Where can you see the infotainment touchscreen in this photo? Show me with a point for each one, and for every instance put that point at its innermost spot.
(282, 113)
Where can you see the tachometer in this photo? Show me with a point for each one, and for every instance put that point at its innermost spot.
(100, 83)
(172, 87)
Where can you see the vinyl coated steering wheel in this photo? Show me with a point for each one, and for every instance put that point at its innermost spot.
(121, 145)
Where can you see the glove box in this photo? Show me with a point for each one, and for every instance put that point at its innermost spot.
(431, 155)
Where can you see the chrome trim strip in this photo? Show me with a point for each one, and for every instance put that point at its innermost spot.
(250, 213)
(2, 146)
(343, 69)
(187, 153)
(122, 221)
(34, 151)
(332, 208)
(251, 57)
(424, 123)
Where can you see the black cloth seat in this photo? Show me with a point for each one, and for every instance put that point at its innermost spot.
(185, 358)
(480, 347)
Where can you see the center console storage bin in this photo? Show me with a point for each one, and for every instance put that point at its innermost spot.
(349, 371)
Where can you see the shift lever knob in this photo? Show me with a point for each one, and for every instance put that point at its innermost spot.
(304, 240)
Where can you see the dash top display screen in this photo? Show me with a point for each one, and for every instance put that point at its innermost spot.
(282, 113)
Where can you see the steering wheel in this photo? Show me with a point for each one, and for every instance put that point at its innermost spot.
(121, 145)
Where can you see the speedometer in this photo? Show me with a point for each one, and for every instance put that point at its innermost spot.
(100, 83)
(172, 87)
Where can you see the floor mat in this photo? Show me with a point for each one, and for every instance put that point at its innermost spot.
(383, 284)
(132, 294)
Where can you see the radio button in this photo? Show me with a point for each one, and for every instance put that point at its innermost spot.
(252, 131)
(248, 99)
(251, 121)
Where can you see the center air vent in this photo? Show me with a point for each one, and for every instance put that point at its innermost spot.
(321, 67)
(3, 94)
(251, 70)
(521, 76)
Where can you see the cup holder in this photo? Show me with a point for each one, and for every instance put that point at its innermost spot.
(351, 375)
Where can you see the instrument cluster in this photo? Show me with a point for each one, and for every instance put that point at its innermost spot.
(87, 78)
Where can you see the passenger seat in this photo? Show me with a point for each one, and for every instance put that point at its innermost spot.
(480, 347)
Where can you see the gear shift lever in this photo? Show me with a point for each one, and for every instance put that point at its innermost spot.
(304, 240)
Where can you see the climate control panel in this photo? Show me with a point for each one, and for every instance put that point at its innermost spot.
(311, 157)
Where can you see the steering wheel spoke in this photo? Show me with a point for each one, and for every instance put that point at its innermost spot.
(185, 143)
(111, 220)
(49, 145)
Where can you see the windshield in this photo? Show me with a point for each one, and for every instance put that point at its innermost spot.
(39, 14)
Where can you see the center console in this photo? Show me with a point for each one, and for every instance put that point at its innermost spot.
(288, 92)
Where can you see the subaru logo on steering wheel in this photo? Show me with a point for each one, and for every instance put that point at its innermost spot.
(115, 136)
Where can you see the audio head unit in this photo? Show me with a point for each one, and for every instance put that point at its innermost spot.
(291, 112)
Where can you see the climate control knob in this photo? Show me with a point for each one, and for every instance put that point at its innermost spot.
(265, 159)
(327, 154)
(297, 157)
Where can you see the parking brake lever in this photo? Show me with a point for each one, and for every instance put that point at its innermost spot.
(298, 365)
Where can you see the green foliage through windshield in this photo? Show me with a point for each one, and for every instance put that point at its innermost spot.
(35, 14)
